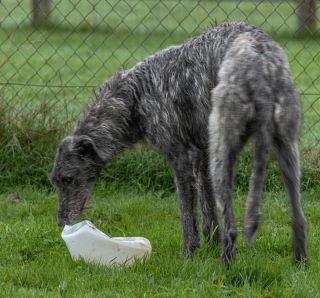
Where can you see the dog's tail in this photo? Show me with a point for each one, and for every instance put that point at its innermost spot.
(262, 128)
(260, 66)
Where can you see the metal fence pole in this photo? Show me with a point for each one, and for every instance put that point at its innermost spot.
(40, 11)
(307, 19)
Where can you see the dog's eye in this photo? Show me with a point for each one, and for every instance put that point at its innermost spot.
(66, 179)
(91, 179)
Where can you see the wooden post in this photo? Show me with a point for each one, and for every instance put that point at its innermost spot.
(40, 11)
(307, 18)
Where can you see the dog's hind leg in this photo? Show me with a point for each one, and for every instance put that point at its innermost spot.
(261, 149)
(222, 164)
(230, 114)
(289, 162)
(288, 157)
(209, 207)
(287, 128)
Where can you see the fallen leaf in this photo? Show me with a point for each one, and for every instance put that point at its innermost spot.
(218, 282)
(14, 197)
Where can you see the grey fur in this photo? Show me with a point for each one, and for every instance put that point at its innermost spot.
(255, 97)
(165, 100)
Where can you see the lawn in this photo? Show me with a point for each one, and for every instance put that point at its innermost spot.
(47, 76)
(35, 262)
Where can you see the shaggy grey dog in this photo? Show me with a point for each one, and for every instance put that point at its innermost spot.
(165, 100)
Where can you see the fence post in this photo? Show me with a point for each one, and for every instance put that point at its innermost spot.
(307, 19)
(40, 11)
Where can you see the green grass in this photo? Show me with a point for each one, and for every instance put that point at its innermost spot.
(34, 261)
(51, 72)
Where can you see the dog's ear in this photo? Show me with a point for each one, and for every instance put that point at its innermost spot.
(86, 148)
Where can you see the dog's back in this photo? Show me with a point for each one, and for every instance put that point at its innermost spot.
(254, 81)
(176, 84)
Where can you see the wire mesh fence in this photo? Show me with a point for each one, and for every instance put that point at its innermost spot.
(55, 52)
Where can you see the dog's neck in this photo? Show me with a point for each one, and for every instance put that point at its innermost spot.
(110, 119)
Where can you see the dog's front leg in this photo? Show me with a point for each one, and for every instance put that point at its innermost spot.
(186, 189)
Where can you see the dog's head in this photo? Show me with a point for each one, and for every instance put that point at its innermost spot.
(77, 165)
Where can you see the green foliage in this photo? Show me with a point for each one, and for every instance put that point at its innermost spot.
(29, 141)
(141, 169)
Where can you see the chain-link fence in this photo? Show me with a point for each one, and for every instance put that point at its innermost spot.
(55, 52)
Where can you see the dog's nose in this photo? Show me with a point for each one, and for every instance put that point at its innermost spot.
(61, 222)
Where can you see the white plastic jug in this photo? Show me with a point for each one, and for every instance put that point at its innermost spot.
(85, 241)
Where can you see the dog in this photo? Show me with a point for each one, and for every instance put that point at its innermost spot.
(165, 100)
(255, 97)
